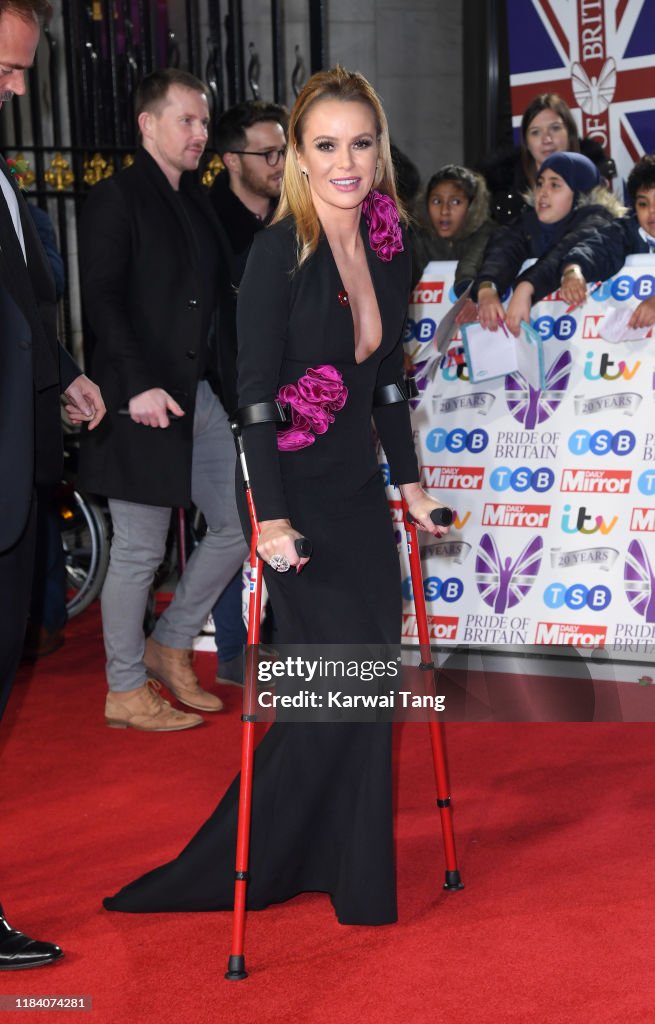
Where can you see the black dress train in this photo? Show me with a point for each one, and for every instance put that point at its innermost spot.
(322, 800)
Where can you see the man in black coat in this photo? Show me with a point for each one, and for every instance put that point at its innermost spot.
(34, 369)
(250, 138)
(150, 258)
(251, 141)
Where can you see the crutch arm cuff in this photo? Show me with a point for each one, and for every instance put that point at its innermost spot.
(401, 391)
(260, 412)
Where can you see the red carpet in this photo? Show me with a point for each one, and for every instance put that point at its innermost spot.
(554, 826)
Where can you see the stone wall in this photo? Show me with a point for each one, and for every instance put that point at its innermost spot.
(411, 50)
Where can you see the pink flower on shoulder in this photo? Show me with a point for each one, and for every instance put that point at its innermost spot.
(384, 232)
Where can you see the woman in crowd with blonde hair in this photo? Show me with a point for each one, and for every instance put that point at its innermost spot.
(320, 322)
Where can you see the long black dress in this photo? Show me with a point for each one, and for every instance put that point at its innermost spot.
(322, 803)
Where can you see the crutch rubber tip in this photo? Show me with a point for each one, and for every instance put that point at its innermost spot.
(453, 881)
(236, 968)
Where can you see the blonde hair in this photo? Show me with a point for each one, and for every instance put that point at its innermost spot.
(296, 199)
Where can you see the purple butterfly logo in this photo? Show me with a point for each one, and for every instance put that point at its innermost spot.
(503, 585)
(531, 406)
(422, 372)
(639, 581)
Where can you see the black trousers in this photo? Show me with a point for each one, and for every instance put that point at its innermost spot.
(16, 568)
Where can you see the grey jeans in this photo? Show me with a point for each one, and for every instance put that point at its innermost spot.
(138, 546)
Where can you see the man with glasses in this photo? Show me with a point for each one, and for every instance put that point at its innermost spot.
(250, 138)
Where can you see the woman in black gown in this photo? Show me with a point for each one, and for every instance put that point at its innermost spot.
(321, 312)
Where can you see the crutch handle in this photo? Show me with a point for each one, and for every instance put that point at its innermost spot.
(440, 516)
(304, 547)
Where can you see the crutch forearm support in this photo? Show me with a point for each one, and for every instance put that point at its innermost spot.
(400, 391)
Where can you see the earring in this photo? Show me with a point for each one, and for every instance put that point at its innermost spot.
(303, 170)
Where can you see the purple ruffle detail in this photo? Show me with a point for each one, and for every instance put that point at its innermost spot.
(313, 399)
(384, 232)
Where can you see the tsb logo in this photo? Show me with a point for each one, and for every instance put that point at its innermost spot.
(457, 440)
(563, 328)
(601, 442)
(449, 590)
(577, 596)
(522, 479)
(427, 291)
(420, 330)
(646, 482)
(624, 287)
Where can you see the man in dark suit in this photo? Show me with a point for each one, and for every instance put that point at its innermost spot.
(250, 139)
(34, 370)
(151, 261)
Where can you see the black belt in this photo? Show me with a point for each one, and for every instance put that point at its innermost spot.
(388, 394)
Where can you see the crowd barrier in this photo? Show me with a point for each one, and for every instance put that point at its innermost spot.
(553, 489)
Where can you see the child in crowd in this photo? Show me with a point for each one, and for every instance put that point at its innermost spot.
(569, 205)
(458, 223)
(597, 258)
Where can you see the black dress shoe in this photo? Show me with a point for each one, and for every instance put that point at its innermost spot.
(18, 951)
(230, 672)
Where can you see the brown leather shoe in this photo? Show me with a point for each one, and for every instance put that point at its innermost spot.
(147, 710)
(172, 667)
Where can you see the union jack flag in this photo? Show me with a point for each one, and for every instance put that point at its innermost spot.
(598, 55)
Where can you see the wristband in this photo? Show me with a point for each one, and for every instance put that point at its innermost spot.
(487, 284)
(573, 269)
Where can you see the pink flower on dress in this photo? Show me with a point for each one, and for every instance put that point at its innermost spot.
(384, 232)
(314, 399)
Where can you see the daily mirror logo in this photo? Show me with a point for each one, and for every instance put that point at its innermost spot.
(596, 481)
(427, 292)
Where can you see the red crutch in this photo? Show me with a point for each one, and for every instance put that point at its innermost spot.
(440, 517)
(236, 965)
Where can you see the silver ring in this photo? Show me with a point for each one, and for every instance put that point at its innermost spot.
(280, 563)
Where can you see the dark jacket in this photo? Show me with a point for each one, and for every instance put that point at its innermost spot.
(467, 247)
(515, 243)
(34, 369)
(146, 326)
(240, 227)
(290, 319)
(602, 254)
(48, 238)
